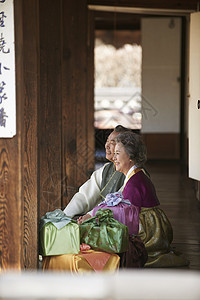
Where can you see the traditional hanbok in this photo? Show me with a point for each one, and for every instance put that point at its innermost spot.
(155, 229)
(112, 180)
(102, 181)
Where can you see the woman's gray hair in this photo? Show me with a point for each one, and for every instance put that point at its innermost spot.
(134, 147)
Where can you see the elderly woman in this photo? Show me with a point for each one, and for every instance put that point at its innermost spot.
(155, 229)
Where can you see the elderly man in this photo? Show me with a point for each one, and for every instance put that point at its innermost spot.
(102, 181)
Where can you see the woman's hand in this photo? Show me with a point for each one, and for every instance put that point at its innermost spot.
(83, 218)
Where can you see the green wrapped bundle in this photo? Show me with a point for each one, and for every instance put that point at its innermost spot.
(102, 232)
(58, 234)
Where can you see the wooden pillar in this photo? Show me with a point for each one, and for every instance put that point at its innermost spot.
(49, 107)
(90, 92)
(30, 145)
(77, 108)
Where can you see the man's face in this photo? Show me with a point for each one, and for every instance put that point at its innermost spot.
(110, 145)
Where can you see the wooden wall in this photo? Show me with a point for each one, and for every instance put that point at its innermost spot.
(53, 151)
(30, 132)
(162, 145)
(11, 173)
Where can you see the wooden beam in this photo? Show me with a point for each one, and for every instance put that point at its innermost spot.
(75, 105)
(151, 4)
(90, 93)
(31, 96)
(49, 107)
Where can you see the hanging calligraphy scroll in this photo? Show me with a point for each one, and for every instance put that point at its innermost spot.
(7, 70)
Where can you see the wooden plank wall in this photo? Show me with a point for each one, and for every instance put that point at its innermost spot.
(11, 173)
(162, 145)
(74, 94)
(49, 107)
(77, 110)
(90, 92)
(30, 142)
(53, 151)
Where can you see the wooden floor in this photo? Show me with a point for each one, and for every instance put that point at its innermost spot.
(176, 193)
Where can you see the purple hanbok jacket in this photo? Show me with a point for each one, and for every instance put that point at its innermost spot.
(140, 191)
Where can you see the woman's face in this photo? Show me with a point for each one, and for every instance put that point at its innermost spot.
(121, 159)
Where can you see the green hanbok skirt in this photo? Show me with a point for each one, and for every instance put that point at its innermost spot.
(156, 232)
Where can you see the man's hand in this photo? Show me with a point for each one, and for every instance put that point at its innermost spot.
(83, 218)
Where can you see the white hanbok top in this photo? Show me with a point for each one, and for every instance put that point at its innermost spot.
(88, 195)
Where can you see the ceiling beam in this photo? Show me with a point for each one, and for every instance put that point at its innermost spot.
(141, 10)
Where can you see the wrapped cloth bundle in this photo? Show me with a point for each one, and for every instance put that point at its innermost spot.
(84, 261)
(102, 232)
(123, 211)
(58, 234)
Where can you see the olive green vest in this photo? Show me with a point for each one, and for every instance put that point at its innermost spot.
(112, 180)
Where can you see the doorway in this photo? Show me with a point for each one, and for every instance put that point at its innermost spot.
(161, 103)
(117, 75)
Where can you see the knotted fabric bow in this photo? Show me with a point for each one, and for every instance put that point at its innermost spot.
(114, 199)
(57, 217)
(103, 215)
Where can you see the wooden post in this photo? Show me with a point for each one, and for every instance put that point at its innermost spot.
(90, 93)
(49, 107)
(77, 106)
(30, 145)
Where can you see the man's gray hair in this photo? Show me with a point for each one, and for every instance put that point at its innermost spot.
(120, 128)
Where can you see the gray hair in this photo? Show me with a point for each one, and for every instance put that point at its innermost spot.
(120, 128)
(134, 147)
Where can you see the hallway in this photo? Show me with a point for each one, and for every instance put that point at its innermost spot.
(177, 197)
